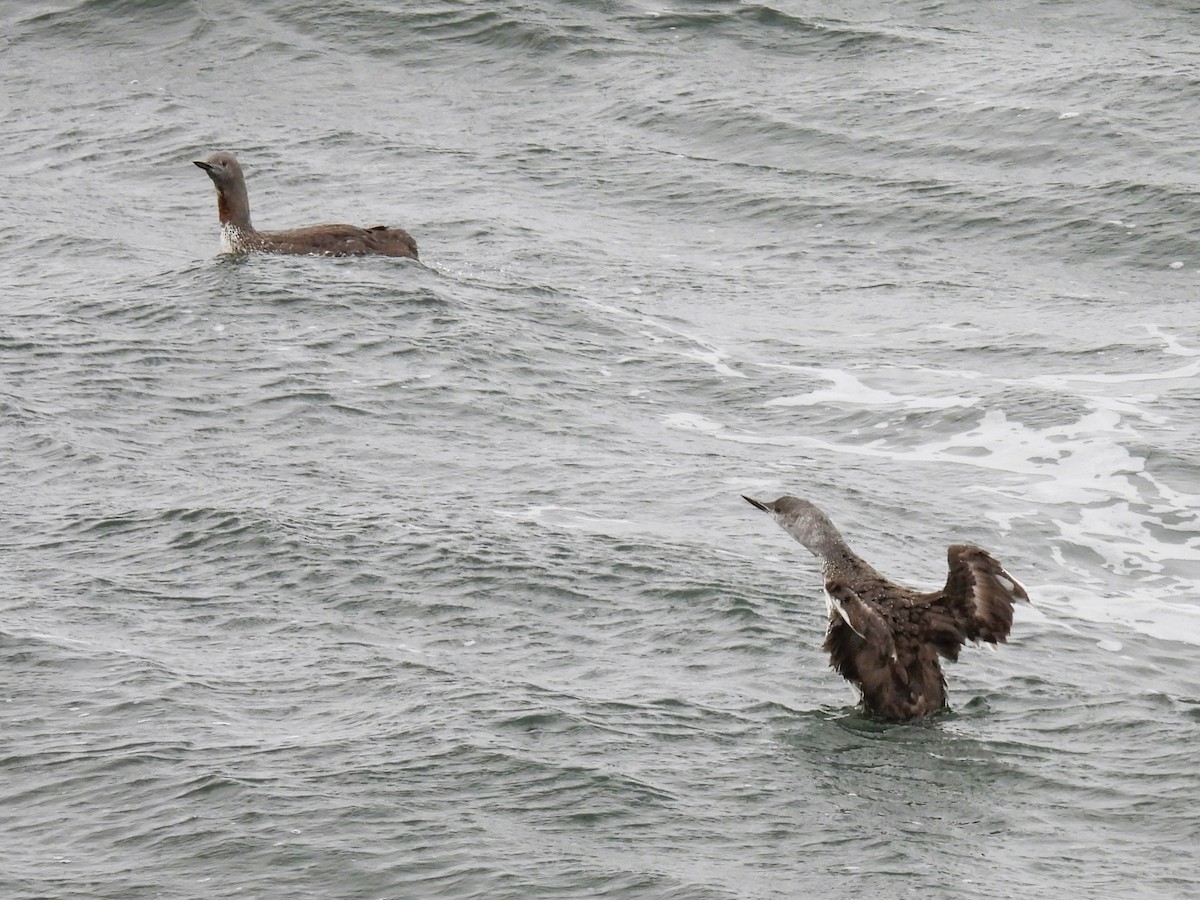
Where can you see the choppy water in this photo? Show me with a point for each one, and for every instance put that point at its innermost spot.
(360, 578)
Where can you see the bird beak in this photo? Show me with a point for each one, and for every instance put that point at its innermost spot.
(757, 503)
(207, 167)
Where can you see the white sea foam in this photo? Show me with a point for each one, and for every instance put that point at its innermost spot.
(1058, 381)
(1125, 540)
(1141, 611)
(697, 422)
(1076, 462)
(1171, 343)
(849, 389)
(699, 349)
(564, 517)
(679, 342)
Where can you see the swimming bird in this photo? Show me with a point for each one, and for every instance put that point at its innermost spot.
(885, 639)
(239, 236)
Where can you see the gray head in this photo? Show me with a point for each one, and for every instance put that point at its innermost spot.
(222, 168)
(233, 204)
(804, 522)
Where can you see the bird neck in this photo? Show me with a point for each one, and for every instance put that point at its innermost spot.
(838, 559)
(820, 536)
(233, 207)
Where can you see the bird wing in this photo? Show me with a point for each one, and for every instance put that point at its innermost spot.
(340, 240)
(863, 620)
(391, 241)
(981, 593)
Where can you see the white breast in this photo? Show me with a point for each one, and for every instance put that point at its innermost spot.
(232, 239)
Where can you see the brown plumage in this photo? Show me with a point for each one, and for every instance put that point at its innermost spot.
(238, 235)
(885, 639)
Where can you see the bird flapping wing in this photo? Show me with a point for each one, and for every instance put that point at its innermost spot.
(864, 621)
(981, 593)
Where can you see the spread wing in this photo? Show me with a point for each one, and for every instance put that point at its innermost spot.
(980, 594)
(864, 621)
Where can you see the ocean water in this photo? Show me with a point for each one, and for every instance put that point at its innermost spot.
(375, 579)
